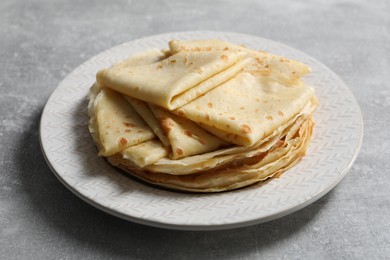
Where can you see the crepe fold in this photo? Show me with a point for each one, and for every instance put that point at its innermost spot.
(276, 160)
(280, 68)
(203, 116)
(173, 81)
(247, 108)
(117, 125)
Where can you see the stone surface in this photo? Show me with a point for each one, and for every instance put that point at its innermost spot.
(42, 41)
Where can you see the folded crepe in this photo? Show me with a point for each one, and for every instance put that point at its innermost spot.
(281, 157)
(145, 153)
(218, 158)
(282, 69)
(144, 111)
(114, 124)
(173, 81)
(247, 108)
(117, 124)
(180, 136)
(185, 137)
(203, 116)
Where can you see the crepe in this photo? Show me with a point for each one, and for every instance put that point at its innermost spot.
(277, 160)
(111, 128)
(208, 116)
(118, 125)
(285, 70)
(145, 153)
(173, 81)
(180, 136)
(246, 108)
(207, 161)
(144, 111)
(114, 124)
(185, 137)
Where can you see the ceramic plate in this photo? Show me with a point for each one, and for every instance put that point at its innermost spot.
(72, 156)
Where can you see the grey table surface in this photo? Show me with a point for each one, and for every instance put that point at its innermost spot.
(42, 41)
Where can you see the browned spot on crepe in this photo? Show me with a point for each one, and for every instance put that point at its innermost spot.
(188, 133)
(128, 124)
(246, 129)
(166, 124)
(122, 141)
(259, 60)
(224, 58)
(179, 151)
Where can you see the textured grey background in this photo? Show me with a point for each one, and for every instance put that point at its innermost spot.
(42, 41)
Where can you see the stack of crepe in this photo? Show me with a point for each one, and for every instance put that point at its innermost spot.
(203, 115)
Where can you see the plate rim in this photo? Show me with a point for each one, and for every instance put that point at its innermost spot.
(204, 227)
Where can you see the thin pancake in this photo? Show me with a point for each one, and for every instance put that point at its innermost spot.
(207, 161)
(166, 83)
(276, 161)
(145, 153)
(109, 142)
(144, 111)
(247, 108)
(118, 125)
(185, 137)
(287, 71)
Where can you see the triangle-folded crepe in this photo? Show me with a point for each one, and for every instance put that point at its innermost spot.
(185, 137)
(117, 124)
(246, 108)
(285, 70)
(144, 111)
(114, 124)
(176, 80)
(145, 153)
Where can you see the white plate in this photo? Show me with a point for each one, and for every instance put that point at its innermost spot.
(72, 156)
